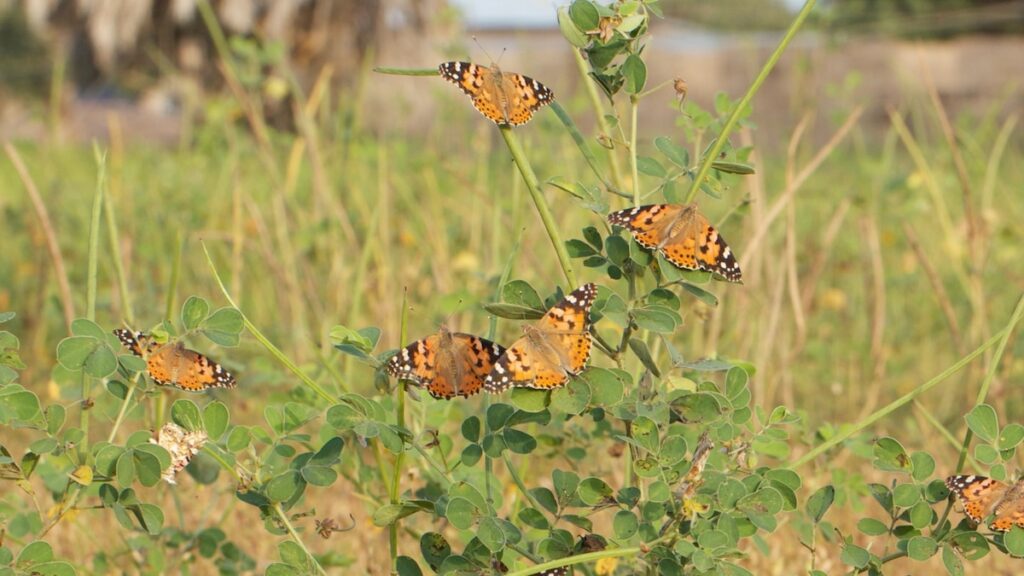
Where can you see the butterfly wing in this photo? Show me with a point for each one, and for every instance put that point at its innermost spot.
(136, 342)
(526, 96)
(174, 365)
(478, 357)
(683, 235)
(1009, 511)
(416, 362)
(477, 82)
(977, 494)
(564, 330)
(446, 367)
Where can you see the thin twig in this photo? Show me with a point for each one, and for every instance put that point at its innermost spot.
(51, 237)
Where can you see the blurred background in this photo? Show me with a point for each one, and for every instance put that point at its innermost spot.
(880, 237)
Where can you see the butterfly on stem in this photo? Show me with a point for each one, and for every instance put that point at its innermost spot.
(172, 364)
(447, 364)
(505, 98)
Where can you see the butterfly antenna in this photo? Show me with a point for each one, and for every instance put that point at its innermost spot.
(484, 50)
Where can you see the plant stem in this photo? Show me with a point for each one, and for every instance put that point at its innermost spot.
(730, 123)
(899, 402)
(591, 556)
(602, 123)
(538, 200)
(90, 287)
(397, 475)
(634, 104)
(274, 350)
(124, 408)
(519, 482)
(990, 375)
(295, 538)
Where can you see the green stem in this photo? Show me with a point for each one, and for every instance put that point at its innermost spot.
(519, 483)
(538, 200)
(602, 123)
(634, 104)
(295, 538)
(172, 285)
(591, 556)
(397, 475)
(990, 375)
(734, 118)
(124, 408)
(90, 287)
(274, 350)
(115, 251)
(906, 398)
(223, 463)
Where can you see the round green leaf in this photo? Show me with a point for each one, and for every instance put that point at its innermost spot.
(284, 486)
(471, 454)
(147, 468)
(43, 445)
(319, 475)
(1014, 541)
(922, 466)
(921, 515)
(584, 15)
(983, 422)
(1011, 436)
(152, 518)
(890, 455)
(185, 413)
(471, 429)
(125, 469)
(625, 524)
(950, 559)
(533, 518)
(215, 419)
(645, 433)
(921, 548)
(572, 398)
(593, 491)
(635, 72)
(490, 534)
(461, 513)
(34, 553)
(518, 441)
(855, 556)
(871, 527)
(223, 326)
(819, 502)
(193, 312)
(406, 566)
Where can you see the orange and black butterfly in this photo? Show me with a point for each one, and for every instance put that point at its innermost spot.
(683, 236)
(982, 497)
(505, 98)
(551, 350)
(174, 365)
(447, 364)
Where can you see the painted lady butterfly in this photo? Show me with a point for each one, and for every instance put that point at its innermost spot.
(982, 497)
(447, 364)
(551, 350)
(507, 99)
(683, 235)
(174, 365)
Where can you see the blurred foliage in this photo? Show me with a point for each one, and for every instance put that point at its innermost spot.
(926, 18)
(731, 14)
(25, 66)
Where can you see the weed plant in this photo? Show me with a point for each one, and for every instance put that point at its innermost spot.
(668, 455)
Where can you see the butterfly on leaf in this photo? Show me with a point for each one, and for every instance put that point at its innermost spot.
(172, 364)
(683, 236)
(551, 350)
(982, 497)
(447, 364)
(505, 98)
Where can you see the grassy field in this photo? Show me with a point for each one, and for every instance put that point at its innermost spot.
(872, 262)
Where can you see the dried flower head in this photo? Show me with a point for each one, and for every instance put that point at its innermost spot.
(182, 445)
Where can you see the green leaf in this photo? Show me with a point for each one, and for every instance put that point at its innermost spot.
(566, 484)
(84, 327)
(625, 524)
(701, 294)
(871, 527)
(215, 419)
(34, 553)
(606, 387)
(645, 433)
(921, 515)
(983, 422)
(593, 491)
(461, 513)
(53, 568)
(521, 293)
(643, 354)
(319, 475)
(921, 548)
(193, 312)
(55, 416)
(343, 336)
(471, 429)
(497, 415)
(922, 466)
(574, 35)
(572, 398)
(151, 517)
(819, 502)
(238, 439)
(434, 548)
(224, 326)
(471, 454)
(890, 455)
(655, 320)
(855, 556)
(593, 237)
(406, 566)
(635, 73)
(651, 167)
(390, 513)
(732, 167)
(490, 534)
(284, 486)
(92, 354)
(513, 311)
(518, 441)
(293, 555)
(329, 453)
(1014, 541)
(954, 566)
(1011, 436)
(185, 413)
(534, 518)
(125, 469)
(147, 468)
(584, 15)
(906, 495)
(6, 317)
(19, 403)
(579, 248)
(674, 152)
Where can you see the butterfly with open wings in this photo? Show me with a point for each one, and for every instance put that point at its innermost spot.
(447, 364)
(505, 98)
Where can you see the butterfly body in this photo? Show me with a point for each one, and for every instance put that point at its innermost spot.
(505, 98)
(174, 365)
(683, 236)
(447, 364)
(982, 497)
(551, 351)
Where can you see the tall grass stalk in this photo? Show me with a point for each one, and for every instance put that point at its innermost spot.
(734, 117)
(999, 338)
(599, 115)
(533, 186)
(283, 517)
(399, 459)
